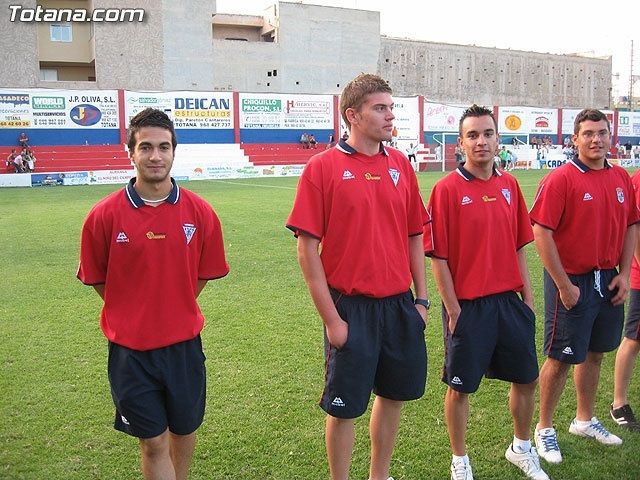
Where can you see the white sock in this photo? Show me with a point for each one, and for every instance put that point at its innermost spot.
(521, 446)
(583, 423)
(464, 458)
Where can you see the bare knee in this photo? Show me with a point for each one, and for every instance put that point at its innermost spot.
(155, 447)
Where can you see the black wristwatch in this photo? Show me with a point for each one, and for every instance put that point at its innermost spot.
(426, 303)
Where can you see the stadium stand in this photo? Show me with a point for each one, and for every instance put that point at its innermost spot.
(73, 158)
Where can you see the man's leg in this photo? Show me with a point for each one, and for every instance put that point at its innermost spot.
(339, 440)
(586, 377)
(625, 362)
(553, 376)
(156, 458)
(383, 428)
(456, 412)
(521, 404)
(181, 449)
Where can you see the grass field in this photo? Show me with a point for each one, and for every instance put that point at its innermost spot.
(263, 341)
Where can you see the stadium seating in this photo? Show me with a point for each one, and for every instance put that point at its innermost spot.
(74, 158)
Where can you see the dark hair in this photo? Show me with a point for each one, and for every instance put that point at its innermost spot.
(356, 91)
(150, 117)
(476, 111)
(589, 114)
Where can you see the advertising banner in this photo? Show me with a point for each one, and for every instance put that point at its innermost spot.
(527, 120)
(295, 112)
(190, 110)
(44, 108)
(439, 117)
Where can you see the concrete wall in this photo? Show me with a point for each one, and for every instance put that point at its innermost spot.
(20, 67)
(489, 76)
(130, 54)
(187, 48)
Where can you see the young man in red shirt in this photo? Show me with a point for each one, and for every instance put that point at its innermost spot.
(628, 351)
(587, 198)
(488, 328)
(359, 218)
(149, 250)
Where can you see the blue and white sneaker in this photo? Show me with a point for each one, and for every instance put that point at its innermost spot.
(596, 431)
(547, 445)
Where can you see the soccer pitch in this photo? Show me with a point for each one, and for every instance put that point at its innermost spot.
(263, 341)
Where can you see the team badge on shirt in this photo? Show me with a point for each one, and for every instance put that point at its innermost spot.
(506, 193)
(620, 194)
(189, 230)
(395, 175)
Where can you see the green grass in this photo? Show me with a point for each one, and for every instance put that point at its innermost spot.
(263, 341)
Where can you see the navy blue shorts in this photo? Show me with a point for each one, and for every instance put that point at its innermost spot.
(632, 325)
(385, 353)
(494, 337)
(158, 389)
(594, 324)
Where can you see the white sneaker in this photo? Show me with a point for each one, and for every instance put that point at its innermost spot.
(596, 431)
(547, 445)
(461, 470)
(528, 462)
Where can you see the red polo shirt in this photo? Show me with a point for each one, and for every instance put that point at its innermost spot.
(150, 260)
(589, 212)
(363, 209)
(478, 226)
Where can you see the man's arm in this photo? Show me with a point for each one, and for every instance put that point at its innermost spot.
(200, 287)
(314, 276)
(100, 289)
(548, 251)
(444, 282)
(527, 291)
(418, 273)
(621, 281)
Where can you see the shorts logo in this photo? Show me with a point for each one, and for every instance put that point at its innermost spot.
(124, 420)
(337, 402)
(122, 238)
(466, 200)
(620, 194)
(395, 176)
(567, 351)
(189, 230)
(587, 197)
(456, 381)
(347, 175)
(506, 193)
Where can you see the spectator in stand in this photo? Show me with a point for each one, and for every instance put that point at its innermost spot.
(23, 140)
(313, 143)
(533, 141)
(627, 149)
(459, 155)
(304, 140)
(394, 137)
(504, 157)
(29, 160)
(411, 155)
(332, 141)
(17, 163)
(9, 161)
(511, 160)
(636, 152)
(345, 136)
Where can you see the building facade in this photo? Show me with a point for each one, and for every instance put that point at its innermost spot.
(292, 47)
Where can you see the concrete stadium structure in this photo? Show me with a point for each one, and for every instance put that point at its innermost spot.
(292, 47)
